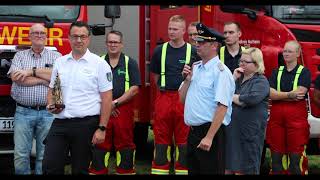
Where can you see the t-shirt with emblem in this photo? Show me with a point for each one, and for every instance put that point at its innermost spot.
(119, 73)
(175, 61)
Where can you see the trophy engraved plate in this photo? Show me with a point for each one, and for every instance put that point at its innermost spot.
(57, 94)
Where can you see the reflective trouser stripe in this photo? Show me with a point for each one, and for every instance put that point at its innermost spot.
(181, 172)
(303, 169)
(169, 153)
(125, 174)
(159, 171)
(177, 153)
(106, 159)
(285, 162)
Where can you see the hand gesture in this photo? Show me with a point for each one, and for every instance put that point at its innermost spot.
(205, 144)
(21, 75)
(296, 95)
(98, 137)
(237, 73)
(52, 109)
(187, 72)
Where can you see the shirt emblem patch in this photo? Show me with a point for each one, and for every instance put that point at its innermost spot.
(182, 61)
(120, 72)
(109, 76)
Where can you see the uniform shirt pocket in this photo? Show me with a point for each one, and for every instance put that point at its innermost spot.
(86, 79)
(206, 80)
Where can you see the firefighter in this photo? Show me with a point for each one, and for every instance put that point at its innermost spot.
(126, 82)
(192, 33)
(167, 63)
(288, 128)
(230, 53)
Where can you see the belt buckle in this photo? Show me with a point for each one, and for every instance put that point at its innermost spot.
(37, 108)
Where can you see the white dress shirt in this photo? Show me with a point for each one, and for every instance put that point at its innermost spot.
(82, 81)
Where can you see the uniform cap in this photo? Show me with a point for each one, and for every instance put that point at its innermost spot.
(208, 34)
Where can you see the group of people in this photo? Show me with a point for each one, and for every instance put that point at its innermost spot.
(211, 105)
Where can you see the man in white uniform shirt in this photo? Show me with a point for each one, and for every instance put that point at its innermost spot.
(86, 85)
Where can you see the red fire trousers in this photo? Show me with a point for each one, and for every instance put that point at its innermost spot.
(288, 132)
(168, 125)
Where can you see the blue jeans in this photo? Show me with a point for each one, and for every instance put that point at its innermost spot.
(29, 124)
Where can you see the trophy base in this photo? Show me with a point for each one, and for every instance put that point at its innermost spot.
(59, 106)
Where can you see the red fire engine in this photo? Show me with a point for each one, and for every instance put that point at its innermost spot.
(266, 27)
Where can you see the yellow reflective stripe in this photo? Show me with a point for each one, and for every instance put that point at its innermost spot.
(163, 64)
(134, 156)
(177, 153)
(181, 172)
(188, 53)
(127, 79)
(222, 54)
(118, 157)
(168, 153)
(296, 78)
(279, 77)
(125, 173)
(106, 159)
(159, 171)
(285, 162)
(304, 156)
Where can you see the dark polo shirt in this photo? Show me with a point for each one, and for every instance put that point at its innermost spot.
(287, 79)
(119, 74)
(175, 61)
(231, 62)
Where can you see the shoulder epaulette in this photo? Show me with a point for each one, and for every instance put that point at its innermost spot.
(220, 66)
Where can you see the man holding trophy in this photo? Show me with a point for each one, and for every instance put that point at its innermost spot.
(80, 97)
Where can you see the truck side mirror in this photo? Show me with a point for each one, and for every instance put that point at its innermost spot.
(232, 9)
(112, 11)
(98, 29)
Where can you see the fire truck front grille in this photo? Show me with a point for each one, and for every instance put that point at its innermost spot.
(6, 143)
(7, 106)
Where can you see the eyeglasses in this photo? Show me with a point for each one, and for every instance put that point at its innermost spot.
(39, 34)
(288, 51)
(76, 37)
(245, 62)
(193, 34)
(114, 42)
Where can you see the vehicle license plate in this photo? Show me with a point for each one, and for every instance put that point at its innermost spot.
(6, 124)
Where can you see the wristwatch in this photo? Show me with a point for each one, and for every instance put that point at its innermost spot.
(102, 128)
(34, 71)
